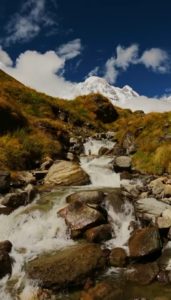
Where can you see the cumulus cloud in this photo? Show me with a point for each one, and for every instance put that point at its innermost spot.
(156, 59)
(28, 22)
(70, 50)
(41, 71)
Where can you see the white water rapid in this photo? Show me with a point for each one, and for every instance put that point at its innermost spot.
(99, 168)
(36, 228)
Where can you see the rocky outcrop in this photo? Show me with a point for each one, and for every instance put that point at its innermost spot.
(66, 173)
(68, 267)
(144, 241)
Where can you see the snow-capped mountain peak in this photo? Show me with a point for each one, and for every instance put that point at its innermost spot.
(94, 84)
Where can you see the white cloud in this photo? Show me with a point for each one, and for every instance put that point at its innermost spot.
(156, 59)
(5, 58)
(147, 104)
(27, 24)
(123, 59)
(44, 72)
(41, 72)
(70, 50)
(126, 56)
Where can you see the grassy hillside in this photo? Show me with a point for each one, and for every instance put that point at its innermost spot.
(151, 134)
(34, 125)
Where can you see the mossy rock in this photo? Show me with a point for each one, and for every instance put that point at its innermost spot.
(66, 268)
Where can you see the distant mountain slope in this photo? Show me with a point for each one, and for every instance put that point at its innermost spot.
(96, 84)
(124, 97)
(34, 125)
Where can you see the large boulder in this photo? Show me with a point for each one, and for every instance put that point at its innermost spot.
(142, 273)
(66, 173)
(157, 186)
(144, 242)
(4, 181)
(79, 217)
(68, 267)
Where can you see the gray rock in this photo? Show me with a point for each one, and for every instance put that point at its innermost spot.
(150, 208)
(122, 163)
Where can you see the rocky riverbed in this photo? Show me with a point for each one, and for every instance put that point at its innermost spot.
(88, 227)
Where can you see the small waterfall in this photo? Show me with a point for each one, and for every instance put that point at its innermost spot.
(99, 168)
(92, 146)
(120, 225)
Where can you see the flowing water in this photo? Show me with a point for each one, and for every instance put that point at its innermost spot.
(37, 228)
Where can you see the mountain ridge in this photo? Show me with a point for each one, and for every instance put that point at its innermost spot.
(95, 84)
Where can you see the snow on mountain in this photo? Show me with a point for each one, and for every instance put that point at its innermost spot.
(124, 97)
(96, 84)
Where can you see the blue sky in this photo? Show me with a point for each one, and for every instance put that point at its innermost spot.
(125, 41)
